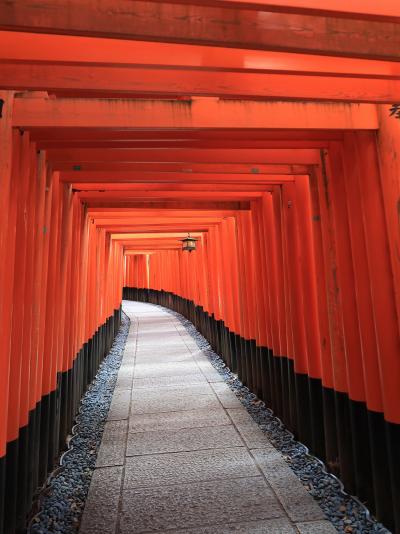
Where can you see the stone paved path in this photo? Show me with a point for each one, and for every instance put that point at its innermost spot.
(181, 454)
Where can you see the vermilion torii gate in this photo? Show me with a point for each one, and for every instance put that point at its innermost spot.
(263, 129)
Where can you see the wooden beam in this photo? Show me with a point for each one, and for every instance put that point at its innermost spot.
(306, 156)
(279, 173)
(91, 51)
(172, 204)
(149, 214)
(137, 196)
(363, 9)
(151, 235)
(191, 144)
(183, 186)
(155, 245)
(167, 227)
(139, 252)
(42, 136)
(125, 171)
(120, 82)
(187, 186)
(203, 24)
(196, 113)
(173, 144)
(184, 228)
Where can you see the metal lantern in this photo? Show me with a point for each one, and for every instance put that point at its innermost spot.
(189, 243)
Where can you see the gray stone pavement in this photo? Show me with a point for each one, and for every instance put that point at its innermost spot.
(181, 454)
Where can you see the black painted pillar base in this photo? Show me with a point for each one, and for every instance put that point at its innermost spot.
(23, 489)
(303, 409)
(331, 447)
(393, 446)
(345, 443)
(317, 417)
(2, 487)
(11, 493)
(362, 452)
(381, 469)
(232, 348)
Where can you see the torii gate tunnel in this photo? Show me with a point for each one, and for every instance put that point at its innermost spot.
(263, 128)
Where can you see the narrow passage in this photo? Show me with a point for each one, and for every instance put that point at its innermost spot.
(181, 454)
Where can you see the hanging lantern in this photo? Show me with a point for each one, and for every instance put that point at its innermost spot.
(189, 243)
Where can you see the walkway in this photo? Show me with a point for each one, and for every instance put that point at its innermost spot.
(181, 454)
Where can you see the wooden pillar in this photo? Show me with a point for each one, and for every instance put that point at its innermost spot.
(6, 147)
(11, 461)
(330, 433)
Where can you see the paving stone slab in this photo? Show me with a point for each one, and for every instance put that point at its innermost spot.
(316, 527)
(157, 333)
(151, 325)
(167, 329)
(180, 328)
(144, 370)
(154, 324)
(158, 354)
(187, 390)
(269, 526)
(226, 397)
(147, 321)
(124, 382)
(112, 448)
(183, 506)
(199, 356)
(253, 436)
(251, 433)
(240, 416)
(101, 508)
(192, 346)
(164, 338)
(168, 381)
(160, 340)
(151, 319)
(125, 377)
(132, 332)
(128, 359)
(126, 369)
(130, 348)
(162, 350)
(193, 466)
(120, 405)
(186, 402)
(148, 348)
(164, 357)
(176, 420)
(189, 342)
(295, 499)
(187, 439)
(211, 374)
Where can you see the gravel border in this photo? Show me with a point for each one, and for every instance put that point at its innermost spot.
(345, 511)
(62, 498)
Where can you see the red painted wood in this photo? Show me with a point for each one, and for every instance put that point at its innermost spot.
(203, 24)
